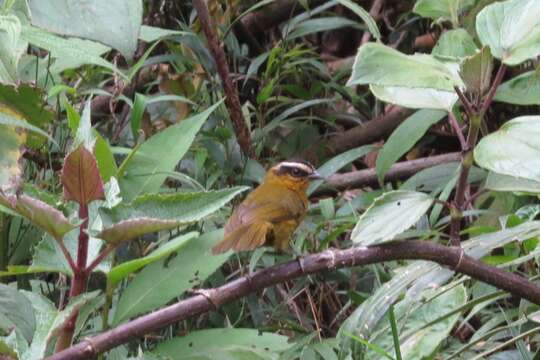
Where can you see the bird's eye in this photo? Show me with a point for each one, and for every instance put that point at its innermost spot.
(296, 172)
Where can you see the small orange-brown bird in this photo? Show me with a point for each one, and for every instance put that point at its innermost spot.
(270, 213)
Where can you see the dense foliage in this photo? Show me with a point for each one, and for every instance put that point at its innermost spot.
(130, 128)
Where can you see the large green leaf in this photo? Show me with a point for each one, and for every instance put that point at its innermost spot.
(500, 182)
(455, 44)
(164, 280)
(154, 212)
(224, 344)
(511, 29)
(415, 98)
(12, 47)
(114, 23)
(148, 168)
(377, 64)
(521, 90)
(390, 215)
(512, 150)
(404, 138)
(17, 309)
(419, 338)
(119, 272)
(442, 9)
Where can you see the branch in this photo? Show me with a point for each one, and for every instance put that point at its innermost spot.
(400, 170)
(231, 100)
(208, 300)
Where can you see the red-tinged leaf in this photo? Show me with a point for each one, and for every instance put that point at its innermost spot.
(130, 229)
(38, 213)
(80, 177)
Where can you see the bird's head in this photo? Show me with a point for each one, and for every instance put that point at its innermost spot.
(293, 174)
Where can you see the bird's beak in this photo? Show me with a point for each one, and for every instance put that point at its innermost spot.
(315, 176)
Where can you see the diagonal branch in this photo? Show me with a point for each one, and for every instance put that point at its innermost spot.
(210, 299)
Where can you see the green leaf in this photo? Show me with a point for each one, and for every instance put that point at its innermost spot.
(17, 309)
(476, 72)
(337, 162)
(154, 212)
(9, 120)
(119, 272)
(511, 29)
(512, 150)
(419, 334)
(377, 64)
(12, 48)
(223, 344)
(389, 215)
(311, 26)
(404, 138)
(160, 153)
(364, 15)
(11, 147)
(152, 33)
(164, 280)
(523, 89)
(114, 23)
(501, 182)
(70, 52)
(38, 213)
(456, 44)
(442, 9)
(416, 98)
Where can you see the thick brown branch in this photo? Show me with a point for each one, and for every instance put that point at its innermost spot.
(232, 101)
(401, 170)
(208, 300)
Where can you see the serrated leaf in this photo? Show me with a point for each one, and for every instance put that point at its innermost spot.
(389, 215)
(166, 279)
(154, 212)
(377, 64)
(404, 137)
(147, 169)
(80, 177)
(523, 89)
(522, 136)
(212, 342)
(115, 23)
(38, 213)
(511, 29)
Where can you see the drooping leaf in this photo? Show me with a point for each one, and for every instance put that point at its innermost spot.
(404, 138)
(455, 43)
(511, 29)
(119, 272)
(390, 215)
(512, 150)
(166, 279)
(12, 47)
(114, 23)
(80, 177)
(38, 213)
(16, 308)
(154, 212)
(224, 343)
(364, 15)
(523, 89)
(442, 9)
(146, 170)
(311, 26)
(377, 64)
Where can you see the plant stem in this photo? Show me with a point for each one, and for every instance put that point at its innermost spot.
(395, 335)
(78, 281)
(4, 242)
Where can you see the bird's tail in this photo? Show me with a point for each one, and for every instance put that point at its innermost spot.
(245, 237)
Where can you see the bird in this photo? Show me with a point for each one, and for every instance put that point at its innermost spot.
(272, 212)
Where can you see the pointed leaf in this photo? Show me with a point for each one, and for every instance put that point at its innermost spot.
(164, 280)
(151, 213)
(476, 71)
(521, 90)
(511, 29)
(38, 213)
(377, 64)
(115, 23)
(512, 150)
(80, 177)
(456, 44)
(404, 138)
(148, 168)
(390, 215)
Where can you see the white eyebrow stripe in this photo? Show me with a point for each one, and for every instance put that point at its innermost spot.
(308, 169)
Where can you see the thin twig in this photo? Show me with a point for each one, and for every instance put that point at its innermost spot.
(457, 130)
(491, 94)
(466, 103)
(67, 255)
(100, 257)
